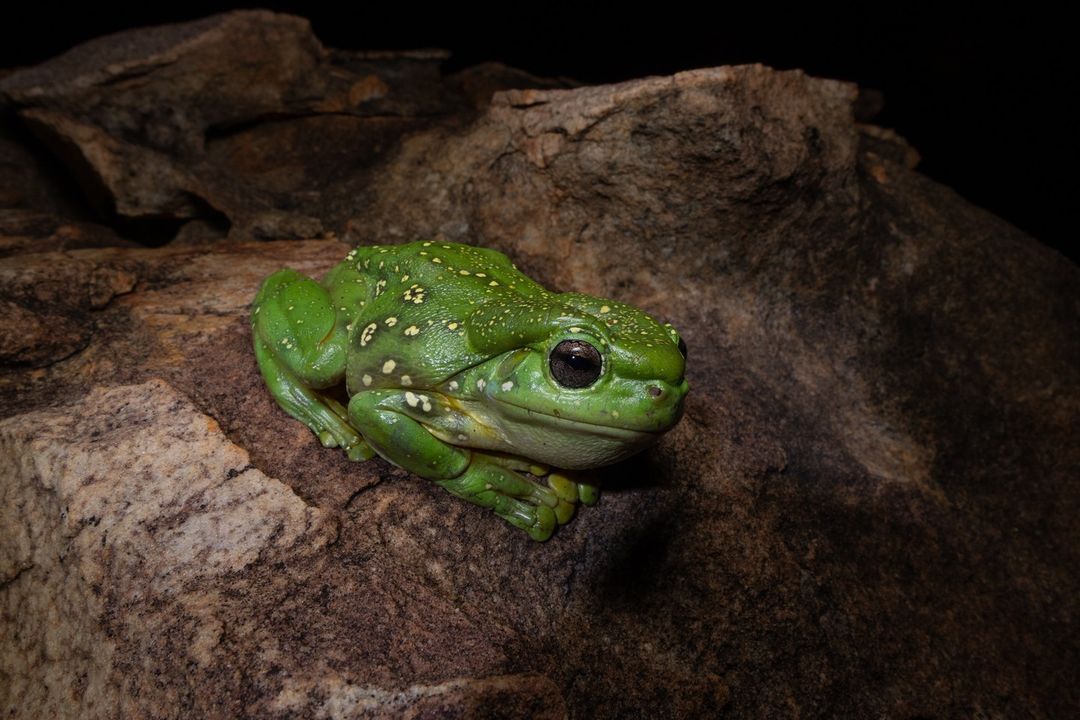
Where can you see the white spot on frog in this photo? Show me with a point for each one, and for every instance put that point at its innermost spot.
(391, 321)
(411, 399)
(406, 381)
(388, 367)
(366, 380)
(412, 330)
(454, 385)
(369, 331)
(480, 384)
(508, 386)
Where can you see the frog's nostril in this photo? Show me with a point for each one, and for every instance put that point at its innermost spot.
(655, 391)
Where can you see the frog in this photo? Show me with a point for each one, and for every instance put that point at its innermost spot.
(446, 360)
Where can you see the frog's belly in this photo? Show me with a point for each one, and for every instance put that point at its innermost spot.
(545, 439)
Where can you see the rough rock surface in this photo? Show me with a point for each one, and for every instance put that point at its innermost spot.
(869, 509)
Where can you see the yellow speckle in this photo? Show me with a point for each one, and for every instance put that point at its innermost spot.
(406, 381)
(463, 272)
(481, 274)
(366, 380)
(411, 399)
(412, 330)
(391, 321)
(453, 326)
(575, 329)
(388, 367)
(493, 283)
(436, 260)
(605, 309)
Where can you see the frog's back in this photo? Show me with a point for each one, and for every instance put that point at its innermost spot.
(408, 305)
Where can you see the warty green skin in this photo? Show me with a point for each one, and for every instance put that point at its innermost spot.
(445, 350)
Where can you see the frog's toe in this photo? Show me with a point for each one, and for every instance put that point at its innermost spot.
(544, 496)
(539, 521)
(588, 494)
(359, 451)
(572, 491)
(563, 486)
(544, 524)
(564, 511)
(327, 439)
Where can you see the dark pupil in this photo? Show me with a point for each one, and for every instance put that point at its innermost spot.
(682, 347)
(575, 363)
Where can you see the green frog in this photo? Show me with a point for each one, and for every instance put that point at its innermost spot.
(462, 370)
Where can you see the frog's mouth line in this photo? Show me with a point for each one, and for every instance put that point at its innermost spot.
(615, 431)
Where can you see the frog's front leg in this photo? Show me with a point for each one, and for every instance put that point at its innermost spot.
(300, 344)
(392, 421)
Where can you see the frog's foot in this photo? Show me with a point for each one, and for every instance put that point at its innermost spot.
(508, 487)
(519, 500)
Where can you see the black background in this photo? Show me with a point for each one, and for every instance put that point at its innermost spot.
(985, 98)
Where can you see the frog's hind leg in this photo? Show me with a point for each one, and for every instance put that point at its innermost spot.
(300, 344)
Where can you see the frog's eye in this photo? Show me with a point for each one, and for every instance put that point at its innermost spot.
(575, 363)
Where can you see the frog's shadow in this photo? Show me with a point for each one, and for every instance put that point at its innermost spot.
(649, 469)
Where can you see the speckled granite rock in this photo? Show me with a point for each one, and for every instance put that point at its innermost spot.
(869, 509)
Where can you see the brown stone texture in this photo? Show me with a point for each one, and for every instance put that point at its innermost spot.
(869, 509)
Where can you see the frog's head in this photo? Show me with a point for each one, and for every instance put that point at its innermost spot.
(590, 381)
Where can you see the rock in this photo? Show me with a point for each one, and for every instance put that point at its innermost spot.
(868, 509)
(189, 121)
(124, 514)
